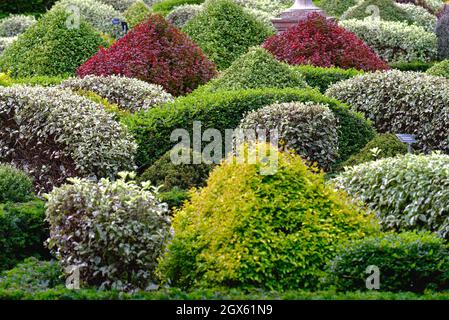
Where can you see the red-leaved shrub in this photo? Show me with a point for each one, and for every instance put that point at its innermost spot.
(321, 42)
(156, 52)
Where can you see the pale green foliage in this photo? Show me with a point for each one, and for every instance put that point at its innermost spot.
(120, 5)
(56, 126)
(137, 13)
(307, 128)
(14, 25)
(115, 231)
(6, 42)
(401, 102)
(128, 93)
(440, 69)
(409, 192)
(98, 14)
(420, 16)
(395, 41)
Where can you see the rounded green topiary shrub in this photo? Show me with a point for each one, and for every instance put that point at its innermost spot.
(382, 146)
(395, 41)
(54, 134)
(50, 47)
(169, 175)
(13, 25)
(309, 129)
(137, 13)
(419, 16)
(129, 94)
(406, 262)
(23, 231)
(380, 9)
(224, 109)
(114, 231)
(246, 229)
(401, 102)
(409, 192)
(15, 185)
(439, 69)
(336, 7)
(224, 31)
(120, 5)
(256, 69)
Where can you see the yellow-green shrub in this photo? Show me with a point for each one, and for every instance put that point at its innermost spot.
(245, 229)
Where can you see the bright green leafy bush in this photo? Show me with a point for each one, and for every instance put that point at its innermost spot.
(401, 102)
(165, 6)
(22, 232)
(409, 192)
(246, 229)
(440, 69)
(5, 43)
(382, 146)
(307, 128)
(137, 13)
(224, 110)
(15, 185)
(224, 31)
(406, 261)
(256, 69)
(115, 231)
(50, 48)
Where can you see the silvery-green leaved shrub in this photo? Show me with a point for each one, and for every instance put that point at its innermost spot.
(120, 5)
(401, 102)
(407, 192)
(419, 16)
(6, 42)
(53, 134)
(307, 128)
(115, 232)
(180, 15)
(395, 41)
(14, 25)
(128, 93)
(98, 14)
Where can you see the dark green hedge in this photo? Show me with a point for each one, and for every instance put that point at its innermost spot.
(323, 78)
(22, 232)
(224, 110)
(25, 6)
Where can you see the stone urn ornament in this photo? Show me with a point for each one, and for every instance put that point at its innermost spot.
(292, 16)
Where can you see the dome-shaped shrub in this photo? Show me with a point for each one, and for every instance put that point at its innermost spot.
(309, 129)
(155, 52)
(180, 15)
(224, 31)
(14, 25)
(409, 192)
(401, 102)
(256, 69)
(387, 10)
(323, 43)
(114, 231)
(440, 69)
(420, 16)
(433, 6)
(395, 41)
(273, 7)
(137, 13)
(53, 134)
(98, 14)
(247, 229)
(15, 185)
(129, 94)
(183, 176)
(163, 7)
(50, 48)
(120, 5)
(384, 145)
(407, 262)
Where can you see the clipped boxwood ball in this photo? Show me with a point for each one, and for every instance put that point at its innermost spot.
(246, 229)
(15, 185)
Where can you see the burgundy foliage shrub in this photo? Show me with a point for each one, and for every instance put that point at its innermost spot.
(321, 42)
(156, 52)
